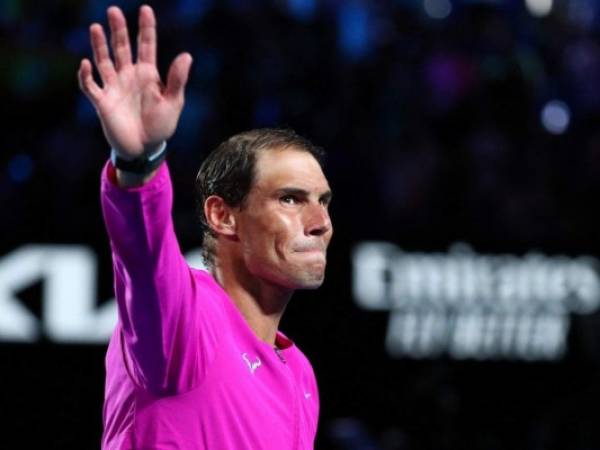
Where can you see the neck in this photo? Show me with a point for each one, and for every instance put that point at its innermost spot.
(261, 303)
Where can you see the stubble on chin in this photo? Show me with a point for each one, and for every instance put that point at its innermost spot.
(310, 278)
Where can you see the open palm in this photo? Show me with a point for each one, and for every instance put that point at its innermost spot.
(136, 109)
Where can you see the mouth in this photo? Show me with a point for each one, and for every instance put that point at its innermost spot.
(311, 248)
(314, 254)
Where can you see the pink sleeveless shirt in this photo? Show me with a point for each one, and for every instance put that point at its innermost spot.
(183, 368)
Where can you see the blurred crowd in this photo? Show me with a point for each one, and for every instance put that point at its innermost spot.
(443, 121)
(477, 123)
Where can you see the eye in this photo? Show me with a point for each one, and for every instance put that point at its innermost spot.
(325, 201)
(289, 199)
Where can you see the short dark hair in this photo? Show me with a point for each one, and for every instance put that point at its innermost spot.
(230, 169)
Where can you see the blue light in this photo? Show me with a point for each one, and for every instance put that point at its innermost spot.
(556, 117)
(267, 112)
(95, 11)
(437, 9)
(86, 113)
(193, 119)
(302, 9)
(191, 11)
(77, 41)
(353, 29)
(207, 64)
(20, 168)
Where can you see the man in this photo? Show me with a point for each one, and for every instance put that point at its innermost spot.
(196, 360)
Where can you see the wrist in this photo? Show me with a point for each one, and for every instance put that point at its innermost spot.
(131, 180)
(142, 165)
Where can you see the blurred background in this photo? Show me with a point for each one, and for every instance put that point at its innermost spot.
(460, 309)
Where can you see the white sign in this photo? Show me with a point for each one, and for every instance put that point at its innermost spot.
(469, 305)
(70, 311)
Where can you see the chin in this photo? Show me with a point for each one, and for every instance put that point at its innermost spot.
(309, 280)
(309, 285)
(298, 280)
(295, 276)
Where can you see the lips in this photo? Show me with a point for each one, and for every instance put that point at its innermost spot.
(312, 253)
(310, 249)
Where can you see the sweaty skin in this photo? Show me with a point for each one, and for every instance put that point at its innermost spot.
(285, 227)
(278, 238)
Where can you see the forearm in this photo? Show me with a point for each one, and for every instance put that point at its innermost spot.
(139, 112)
(152, 279)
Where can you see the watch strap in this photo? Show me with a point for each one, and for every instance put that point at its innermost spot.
(142, 165)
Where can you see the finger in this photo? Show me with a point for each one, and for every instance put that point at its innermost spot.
(101, 54)
(87, 83)
(147, 36)
(119, 37)
(178, 76)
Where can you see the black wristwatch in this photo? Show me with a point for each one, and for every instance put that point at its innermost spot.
(142, 165)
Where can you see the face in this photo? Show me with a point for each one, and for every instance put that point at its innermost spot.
(284, 227)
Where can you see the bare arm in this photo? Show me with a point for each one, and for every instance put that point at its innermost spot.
(137, 111)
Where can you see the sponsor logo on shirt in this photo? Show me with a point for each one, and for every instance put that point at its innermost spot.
(252, 365)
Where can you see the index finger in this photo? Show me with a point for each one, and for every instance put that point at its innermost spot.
(147, 36)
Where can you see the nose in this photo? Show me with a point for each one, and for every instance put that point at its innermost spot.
(317, 221)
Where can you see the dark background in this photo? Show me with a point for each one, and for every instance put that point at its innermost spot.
(433, 133)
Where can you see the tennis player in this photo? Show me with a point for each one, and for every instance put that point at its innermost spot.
(196, 360)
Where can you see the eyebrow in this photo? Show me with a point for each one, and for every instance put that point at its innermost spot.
(324, 197)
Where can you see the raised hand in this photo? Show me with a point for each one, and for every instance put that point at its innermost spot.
(136, 109)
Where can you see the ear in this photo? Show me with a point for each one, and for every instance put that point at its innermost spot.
(219, 216)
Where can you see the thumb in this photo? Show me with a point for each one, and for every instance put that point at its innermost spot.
(178, 76)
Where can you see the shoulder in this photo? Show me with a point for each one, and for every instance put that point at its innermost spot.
(302, 361)
(206, 281)
(208, 290)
